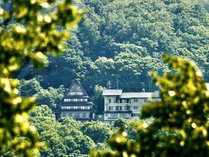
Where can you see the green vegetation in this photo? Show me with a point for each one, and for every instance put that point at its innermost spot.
(27, 33)
(123, 40)
(120, 42)
(180, 123)
(68, 136)
(149, 28)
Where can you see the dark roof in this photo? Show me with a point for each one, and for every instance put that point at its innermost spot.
(78, 84)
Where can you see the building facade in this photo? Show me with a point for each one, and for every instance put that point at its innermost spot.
(127, 105)
(76, 104)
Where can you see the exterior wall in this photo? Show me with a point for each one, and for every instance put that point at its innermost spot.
(115, 107)
(76, 115)
(136, 106)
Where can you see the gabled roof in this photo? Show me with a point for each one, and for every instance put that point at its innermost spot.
(76, 87)
(112, 92)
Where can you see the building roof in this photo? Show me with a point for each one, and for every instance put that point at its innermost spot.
(76, 87)
(140, 95)
(112, 92)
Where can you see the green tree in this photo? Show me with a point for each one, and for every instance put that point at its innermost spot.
(28, 88)
(97, 131)
(63, 137)
(50, 96)
(130, 32)
(27, 34)
(98, 98)
(180, 126)
(119, 122)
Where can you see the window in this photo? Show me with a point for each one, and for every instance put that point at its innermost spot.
(78, 93)
(135, 100)
(84, 115)
(127, 107)
(113, 115)
(124, 115)
(118, 107)
(135, 107)
(127, 100)
(135, 114)
(72, 93)
(110, 108)
(87, 115)
(142, 100)
(121, 100)
(66, 100)
(109, 100)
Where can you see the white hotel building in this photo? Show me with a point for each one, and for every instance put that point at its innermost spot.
(127, 105)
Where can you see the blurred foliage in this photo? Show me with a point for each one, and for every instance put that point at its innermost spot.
(180, 126)
(27, 33)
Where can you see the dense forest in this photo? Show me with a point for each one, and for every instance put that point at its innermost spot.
(120, 42)
(123, 40)
(68, 136)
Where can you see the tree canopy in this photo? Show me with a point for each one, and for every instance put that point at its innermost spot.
(180, 119)
(27, 33)
(124, 40)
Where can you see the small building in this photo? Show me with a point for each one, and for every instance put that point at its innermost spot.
(76, 104)
(127, 105)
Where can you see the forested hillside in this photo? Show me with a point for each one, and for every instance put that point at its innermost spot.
(67, 136)
(123, 40)
(116, 45)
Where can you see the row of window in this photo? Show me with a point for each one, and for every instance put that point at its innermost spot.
(126, 100)
(118, 115)
(76, 107)
(75, 93)
(121, 115)
(122, 108)
(76, 115)
(75, 100)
